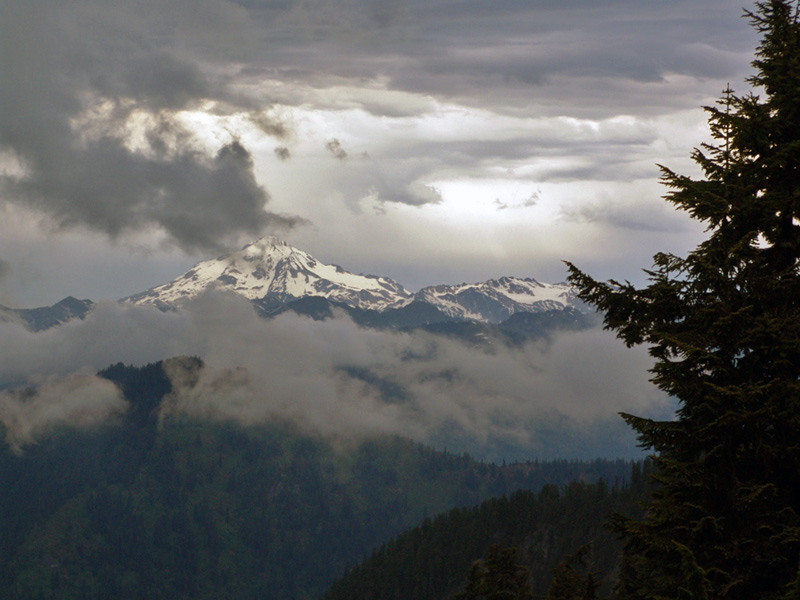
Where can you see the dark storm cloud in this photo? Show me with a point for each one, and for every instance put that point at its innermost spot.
(283, 153)
(271, 126)
(509, 54)
(59, 61)
(526, 44)
(334, 146)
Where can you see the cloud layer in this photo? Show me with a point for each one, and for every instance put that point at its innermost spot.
(80, 400)
(91, 97)
(337, 380)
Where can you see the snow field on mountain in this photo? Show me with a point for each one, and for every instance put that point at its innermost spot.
(271, 269)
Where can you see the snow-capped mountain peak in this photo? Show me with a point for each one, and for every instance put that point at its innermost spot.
(497, 299)
(272, 271)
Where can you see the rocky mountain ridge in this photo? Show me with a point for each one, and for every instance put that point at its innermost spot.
(276, 277)
(271, 273)
(45, 317)
(270, 270)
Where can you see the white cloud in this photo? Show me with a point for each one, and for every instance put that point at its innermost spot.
(335, 379)
(80, 400)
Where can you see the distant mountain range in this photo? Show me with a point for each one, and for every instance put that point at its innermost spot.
(277, 277)
(272, 273)
(45, 317)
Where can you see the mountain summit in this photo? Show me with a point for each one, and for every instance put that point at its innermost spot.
(496, 300)
(272, 273)
(45, 317)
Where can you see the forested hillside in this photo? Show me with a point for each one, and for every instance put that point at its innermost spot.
(432, 561)
(167, 507)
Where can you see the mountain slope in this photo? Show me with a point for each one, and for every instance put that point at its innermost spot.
(433, 560)
(45, 317)
(496, 300)
(158, 505)
(271, 273)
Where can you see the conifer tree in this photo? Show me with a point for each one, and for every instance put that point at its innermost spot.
(497, 577)
(723, 325)
(570, 579)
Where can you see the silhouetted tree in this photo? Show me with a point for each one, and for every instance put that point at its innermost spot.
(723, 325)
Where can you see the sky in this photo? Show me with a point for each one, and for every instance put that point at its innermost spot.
(428, 141)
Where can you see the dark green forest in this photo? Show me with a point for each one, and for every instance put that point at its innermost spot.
(177, 508)
(432, 561)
